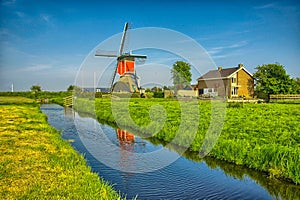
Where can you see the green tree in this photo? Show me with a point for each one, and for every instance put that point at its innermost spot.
(74, 88)
(156, 89)
(70, 88)
(272, 79)
(166, 87)
(181, 74)
(297, 84)
(35, 88)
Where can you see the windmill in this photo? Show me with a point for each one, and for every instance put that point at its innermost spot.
(129, 81)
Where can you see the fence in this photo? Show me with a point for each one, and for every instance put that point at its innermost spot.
(68, 101)
(277, 97)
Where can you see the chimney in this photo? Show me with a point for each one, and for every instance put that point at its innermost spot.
(240, 65)
(219, 68)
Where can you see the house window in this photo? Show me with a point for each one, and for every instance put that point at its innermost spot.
(210, 90)
(233, 80)
(234, 91)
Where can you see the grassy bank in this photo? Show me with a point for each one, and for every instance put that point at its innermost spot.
(35, 163)
(52, 97)
(261, 136)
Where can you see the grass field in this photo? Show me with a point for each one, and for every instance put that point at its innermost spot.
(35, 163)
(53, 97)
(261, 136)
(15, 100)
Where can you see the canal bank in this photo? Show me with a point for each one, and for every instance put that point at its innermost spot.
(35, 163)
(186, 178)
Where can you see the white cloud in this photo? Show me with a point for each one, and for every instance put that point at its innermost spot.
(35, 68)
(20, 14)
(265, 6)
(45, 17)
(4, 32)
(8, 2)
(216, 51)
(232, 46)
(213, 51)
(23, 17)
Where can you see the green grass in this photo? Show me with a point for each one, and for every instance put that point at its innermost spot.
(15, 100)
(53, 97)
(35, 163)
(261, 136)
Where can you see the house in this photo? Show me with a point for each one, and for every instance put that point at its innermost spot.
(230, 82)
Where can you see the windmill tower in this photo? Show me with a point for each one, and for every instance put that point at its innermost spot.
(129, 81)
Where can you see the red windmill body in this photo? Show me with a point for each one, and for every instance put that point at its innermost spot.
(125, 66)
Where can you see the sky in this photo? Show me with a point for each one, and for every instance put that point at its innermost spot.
(46, 42)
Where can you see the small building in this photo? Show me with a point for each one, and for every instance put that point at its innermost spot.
(188, 91)
(229, 82)
(168, 93)
(98, 89)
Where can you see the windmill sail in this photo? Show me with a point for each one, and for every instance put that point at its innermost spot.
(106, 53)
(123, 39)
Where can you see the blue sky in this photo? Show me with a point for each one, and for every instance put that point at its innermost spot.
(45, 42)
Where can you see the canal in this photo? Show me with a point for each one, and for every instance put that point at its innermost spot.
(114, 155)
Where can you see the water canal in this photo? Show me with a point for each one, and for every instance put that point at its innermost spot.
(186, 178)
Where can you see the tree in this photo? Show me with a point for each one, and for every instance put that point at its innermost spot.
(166, 87)
(74, 88)
(70, 88)
(181, 74)
(272, 79)
(156, 89)
(297, 84)
(36, 88)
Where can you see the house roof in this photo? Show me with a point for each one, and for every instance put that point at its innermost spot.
(221, 74)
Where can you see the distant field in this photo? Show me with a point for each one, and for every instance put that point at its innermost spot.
(15, 100)
(261, 136)
(53, 97)
(35, 163)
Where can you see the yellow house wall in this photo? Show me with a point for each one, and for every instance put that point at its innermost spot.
(246, 83)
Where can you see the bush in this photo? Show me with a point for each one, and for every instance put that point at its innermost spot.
(158, 95)
(235, 105)
(98, 95)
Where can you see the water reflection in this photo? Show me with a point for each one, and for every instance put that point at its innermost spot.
(278, 189)
(190, 176)
(69, 112)
(126, 139)
(126, 143)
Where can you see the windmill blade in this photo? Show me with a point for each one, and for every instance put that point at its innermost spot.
(138, 56)
(134, 56)
(113, 78)
(123, 38)
(105, 53)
